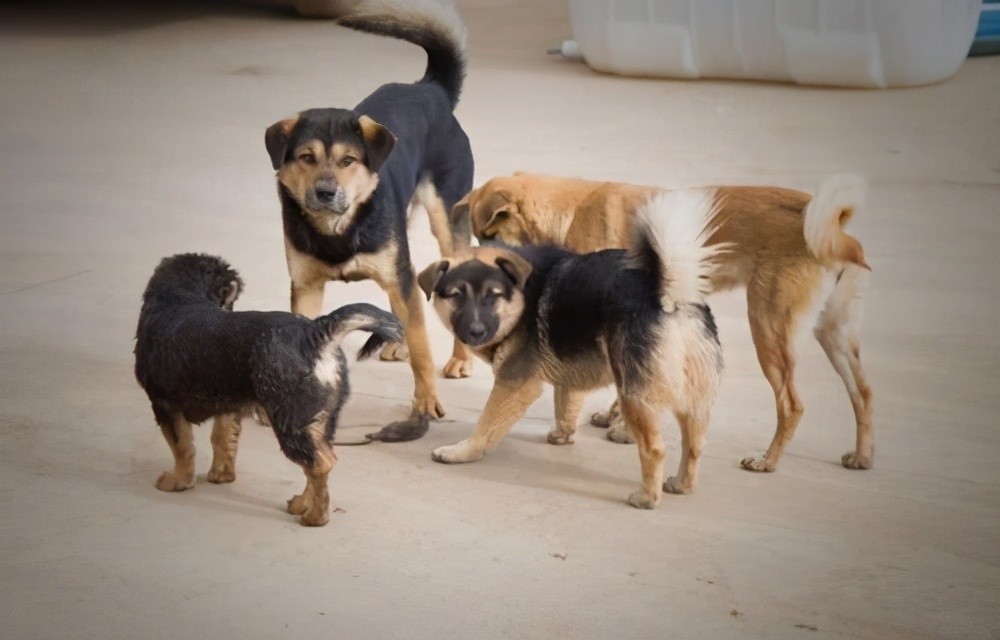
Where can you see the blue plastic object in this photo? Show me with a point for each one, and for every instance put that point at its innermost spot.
(987, 40)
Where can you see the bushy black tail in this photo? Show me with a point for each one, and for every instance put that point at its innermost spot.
(429, 24)
(384, 326)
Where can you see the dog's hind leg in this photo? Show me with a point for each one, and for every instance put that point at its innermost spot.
(313, 504)
(775, 301)
(225, 438)
(568, 403)
(642, 419)
(179, 434)
(693, 427)
(837, 330)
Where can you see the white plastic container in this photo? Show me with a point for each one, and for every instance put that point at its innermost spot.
(857, 43)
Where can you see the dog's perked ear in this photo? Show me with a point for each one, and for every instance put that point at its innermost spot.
(379, 142)
(227, 289)
(492, 213)
(516, 267)
(430, 276)
(276, 139)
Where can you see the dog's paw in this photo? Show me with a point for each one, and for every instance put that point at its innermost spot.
(603, 419)
(675, 486)
(855, 460)
(395, 352)
(464, 451)
(427, 407)
(558, 436)
(642, 500)
(619, 433)
(314, 518)
(221, 475)
(170, 482)
(758, 463)
(457, 368)
(298, 505)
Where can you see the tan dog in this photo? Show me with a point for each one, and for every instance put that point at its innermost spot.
(636, 319)
(783, 244)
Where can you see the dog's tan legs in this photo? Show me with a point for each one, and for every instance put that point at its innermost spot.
(505, 406)
(225, 438)
(774, 351)
(693, 428)
(179, 435)
(307, 298)
(411, 313)
(837, 331)
(643, 420)
(568, 403)
(313, 504)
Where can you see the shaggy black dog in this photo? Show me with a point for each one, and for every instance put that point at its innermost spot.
(198, 359)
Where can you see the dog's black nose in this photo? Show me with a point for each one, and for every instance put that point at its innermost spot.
(325, 194)
(477, 330)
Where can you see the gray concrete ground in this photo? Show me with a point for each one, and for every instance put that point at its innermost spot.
(129, 136)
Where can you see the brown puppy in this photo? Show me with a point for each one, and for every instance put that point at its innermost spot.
(782, 245)
(579, 322)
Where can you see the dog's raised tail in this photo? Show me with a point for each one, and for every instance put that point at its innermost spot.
(383, 325)
(669, 238)
(433, 25)
(825, 216)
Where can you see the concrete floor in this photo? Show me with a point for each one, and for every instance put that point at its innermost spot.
(127, 138)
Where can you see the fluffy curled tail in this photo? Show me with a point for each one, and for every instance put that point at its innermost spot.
(384, 326)
(669, 237)
(825, 216)
(430, 24)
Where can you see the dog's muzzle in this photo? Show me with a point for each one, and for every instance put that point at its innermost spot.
(328, 196)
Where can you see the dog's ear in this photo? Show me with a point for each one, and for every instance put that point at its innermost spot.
(227, 290)
(276, 139)
(429, 277)
(492, 213)
(514, 266)
(461, 226)
(379, 142)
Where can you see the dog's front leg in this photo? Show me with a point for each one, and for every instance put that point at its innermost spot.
(507, 403)
(460, 364)
(409, 308)
(307, 298)
(569, 402)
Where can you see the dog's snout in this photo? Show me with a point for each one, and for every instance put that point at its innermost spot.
(325, 193)
(477, 330)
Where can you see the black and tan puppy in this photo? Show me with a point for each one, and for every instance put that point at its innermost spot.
(636, 319)
(346, 178)
(197, 359)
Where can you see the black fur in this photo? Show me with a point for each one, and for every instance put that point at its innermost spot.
(196, 357)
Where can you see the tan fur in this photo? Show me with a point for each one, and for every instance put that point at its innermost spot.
(767, 254)
(313, 504)
(225, 439)
(180, 439)
(685, 379)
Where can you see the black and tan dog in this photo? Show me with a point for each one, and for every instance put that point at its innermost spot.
(197, 359)
(346, 178)
(636, 319)
(784, 246)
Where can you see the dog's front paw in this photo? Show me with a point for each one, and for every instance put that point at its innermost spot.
(457, 368)
(642, 500)
(314, 518)
(297, 505)
(855, 460)
(221, 474)
(675, 486)
(427, 406)
(603, 419)
(168, 481)
(559, 436)
(464, 451)
(758, 463)
(395, 352)
(620, 433)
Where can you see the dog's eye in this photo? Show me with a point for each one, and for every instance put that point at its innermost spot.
(493, 294)
(450, 293)
(346, 161)
(308, 158)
